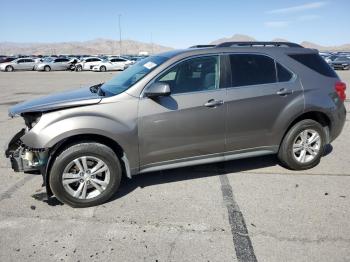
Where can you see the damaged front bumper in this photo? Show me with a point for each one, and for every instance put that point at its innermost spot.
(26, 159)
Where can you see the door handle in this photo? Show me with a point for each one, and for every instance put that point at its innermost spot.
(284, 92)
(214, 103)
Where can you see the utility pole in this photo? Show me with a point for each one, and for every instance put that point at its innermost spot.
(120, 35)
(152, 44)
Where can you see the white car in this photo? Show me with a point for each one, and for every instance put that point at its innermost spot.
(88, 63)
(115, 63)
(56, 64)
(18, 64)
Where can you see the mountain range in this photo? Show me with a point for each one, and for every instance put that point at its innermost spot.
(307, 44)
(96, 46)
(108, 46)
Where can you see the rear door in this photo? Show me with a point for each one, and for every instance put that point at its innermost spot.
(190, 123)
(257, 101)
(64, 64)
(116, 65)
(28, 64)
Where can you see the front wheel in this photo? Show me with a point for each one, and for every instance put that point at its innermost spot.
(79, 68)
(303, 145)
(85, 174)
(103, 69)
(47, 69)
(9, 69)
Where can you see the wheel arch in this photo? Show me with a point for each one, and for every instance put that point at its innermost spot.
(317, 116)
(81, 138)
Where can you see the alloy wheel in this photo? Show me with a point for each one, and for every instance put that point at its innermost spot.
(86, 177)
(306, 146)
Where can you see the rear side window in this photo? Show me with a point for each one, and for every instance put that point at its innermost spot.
(251, 69)
(315, 62)
(283, 74)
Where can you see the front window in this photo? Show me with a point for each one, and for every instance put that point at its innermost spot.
(197, 74)
(130, 76)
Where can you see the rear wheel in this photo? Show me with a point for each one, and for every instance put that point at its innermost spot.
(303, 145)
(79, 68)
(85, 174)
(47, 68)
(9, 69)
(103, 69)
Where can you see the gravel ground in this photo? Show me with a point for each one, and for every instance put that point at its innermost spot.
(243, 210)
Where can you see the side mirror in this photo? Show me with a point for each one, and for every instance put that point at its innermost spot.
(158, 89)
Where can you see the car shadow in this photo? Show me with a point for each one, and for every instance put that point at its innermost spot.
(192, 172)
(197, 172)
(186, 173)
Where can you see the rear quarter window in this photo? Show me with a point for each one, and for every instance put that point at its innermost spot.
(314, 62)
(283, 74)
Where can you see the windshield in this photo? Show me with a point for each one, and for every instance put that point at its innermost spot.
(342, 59)
(130, 76)
(48, 59)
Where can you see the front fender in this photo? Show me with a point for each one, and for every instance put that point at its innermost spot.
(56, 126)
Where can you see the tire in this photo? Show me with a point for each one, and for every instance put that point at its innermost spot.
(79, 68)
(103, 69)
(64, 163)
(293, 142)
(9, 68)
(47, 68)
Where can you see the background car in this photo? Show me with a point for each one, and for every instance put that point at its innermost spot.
(50, 64)
(341, 63)
(7, 59)
(88, 63)
(18, 64)
(118, 63)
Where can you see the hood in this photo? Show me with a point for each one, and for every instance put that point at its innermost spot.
(78, 97)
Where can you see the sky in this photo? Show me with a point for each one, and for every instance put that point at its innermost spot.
(176, 23)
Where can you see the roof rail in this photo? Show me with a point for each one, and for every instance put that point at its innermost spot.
(263, 44)
(201, 46)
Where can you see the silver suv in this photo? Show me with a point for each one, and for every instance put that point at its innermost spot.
(181, 108)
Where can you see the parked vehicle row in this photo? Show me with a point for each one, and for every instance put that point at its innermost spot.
(61, 63)
(338, 61)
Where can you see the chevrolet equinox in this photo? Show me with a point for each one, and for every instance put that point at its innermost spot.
(186, 107)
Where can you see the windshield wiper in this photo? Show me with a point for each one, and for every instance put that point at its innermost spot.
(97, 89)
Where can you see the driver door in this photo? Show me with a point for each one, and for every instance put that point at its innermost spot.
(190, 123)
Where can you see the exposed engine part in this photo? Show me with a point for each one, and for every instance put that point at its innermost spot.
(35, 159)
(23, 158)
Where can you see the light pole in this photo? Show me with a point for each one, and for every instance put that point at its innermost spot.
(120, 35)
(152, 48)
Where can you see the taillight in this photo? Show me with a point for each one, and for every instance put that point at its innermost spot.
(340, 88)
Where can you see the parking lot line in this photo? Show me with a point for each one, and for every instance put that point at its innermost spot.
(241, 240)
